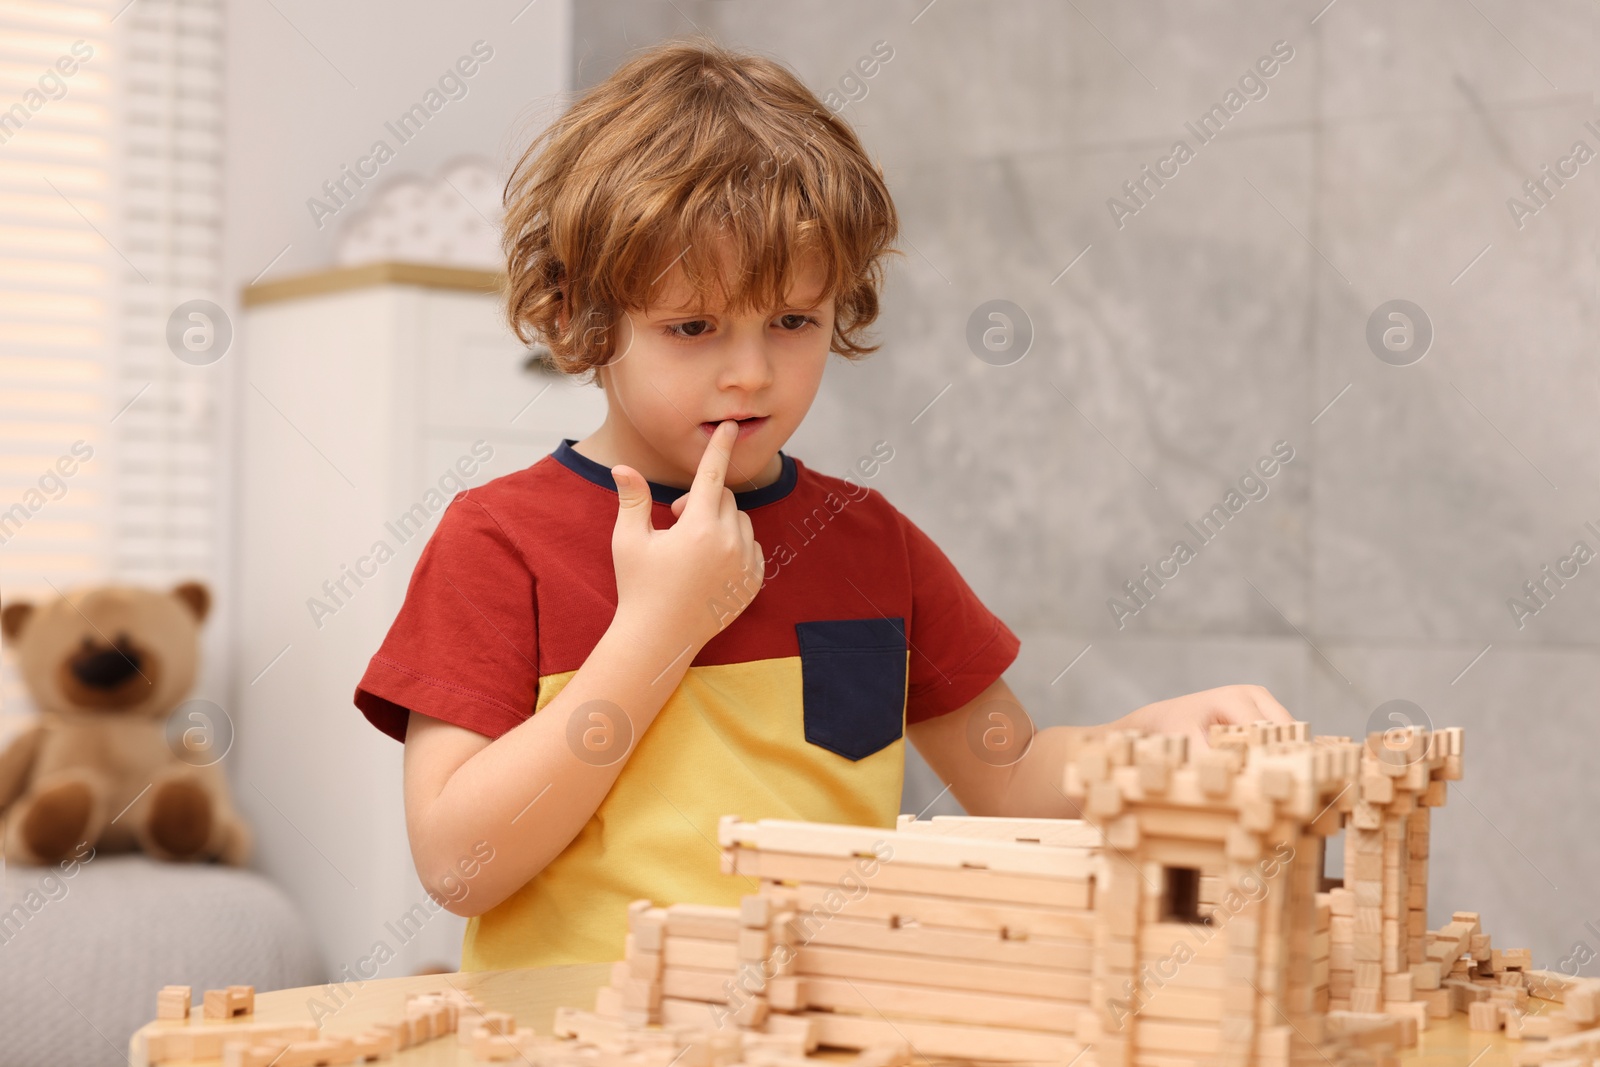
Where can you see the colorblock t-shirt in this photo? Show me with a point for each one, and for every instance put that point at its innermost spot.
(796, 710)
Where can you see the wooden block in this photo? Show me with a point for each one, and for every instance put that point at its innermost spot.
(1438, 1002)
(697, 952)
(1515, 996)
(1510, 959)
(754, 944)
(828, 962)
(1462, 993)
(752, 1013)
(498, 1022)
(936, 1004)
(1582, 1003)
(970, 883)
(1104, 800)
(1425, 975)
(499, 1048)
(640, 995)
(649, 927)
(786, 994)
(799, 1027)
(909, 849)
(755, 910)
(1176, 1004)
(683, 983)
(1342, 902)
(608, 1002)
(1413, 1011)
(1368, 1001)
(647, 965)
(920, 939)
(820, 906)
(229, 1003)
(173, 1002)
(1397, 987)
(893, 1054)
(1068, 833)
(704, 921)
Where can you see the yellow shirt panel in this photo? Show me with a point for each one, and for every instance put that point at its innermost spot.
(729, 741)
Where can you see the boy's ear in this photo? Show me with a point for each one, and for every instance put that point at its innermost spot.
(14, 617)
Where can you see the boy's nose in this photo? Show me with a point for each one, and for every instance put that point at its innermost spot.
(748, 366)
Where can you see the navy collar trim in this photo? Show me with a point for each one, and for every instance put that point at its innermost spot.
(600, 475)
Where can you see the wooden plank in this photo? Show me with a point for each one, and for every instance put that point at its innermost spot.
(1197, 976)
(952, 974)
(1142, 1058)
(985, 946)
(1056, 833)
(1159, 940)
(1187, 823)
(1175, 1037)
(818, 905)
(889, 1000)
(703, 921)
(944, 1039)
(712, 1016)
(685, 983)
(967, 883)
(701, 953)
(1176, 1004)
(905, 849)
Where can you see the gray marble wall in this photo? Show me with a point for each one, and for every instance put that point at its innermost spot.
(1177, 340)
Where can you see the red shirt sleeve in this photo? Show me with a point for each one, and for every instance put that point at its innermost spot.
(464, 647)
(958, 647)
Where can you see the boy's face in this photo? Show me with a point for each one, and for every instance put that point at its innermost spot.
(681, 368)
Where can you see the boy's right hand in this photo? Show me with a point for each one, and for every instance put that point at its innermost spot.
(693, 579)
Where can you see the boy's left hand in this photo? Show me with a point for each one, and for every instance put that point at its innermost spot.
(1195, 713)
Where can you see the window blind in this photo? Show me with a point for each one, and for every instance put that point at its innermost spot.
(110, 217)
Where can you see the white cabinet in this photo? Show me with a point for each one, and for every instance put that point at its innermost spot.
(361, 390)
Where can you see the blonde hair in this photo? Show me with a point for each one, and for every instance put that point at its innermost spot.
(688, 152)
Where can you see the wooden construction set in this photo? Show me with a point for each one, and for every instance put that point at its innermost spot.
(1187, 920)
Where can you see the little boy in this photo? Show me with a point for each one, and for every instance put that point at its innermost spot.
(672, 619)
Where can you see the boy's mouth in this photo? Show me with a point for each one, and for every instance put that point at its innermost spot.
(747, 426)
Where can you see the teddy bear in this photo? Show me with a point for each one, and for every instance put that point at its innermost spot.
(108, 765)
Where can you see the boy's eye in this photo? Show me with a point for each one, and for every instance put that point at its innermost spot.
(795, 322)
(693, 328)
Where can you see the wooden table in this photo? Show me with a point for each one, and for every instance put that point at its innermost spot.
(533, 997)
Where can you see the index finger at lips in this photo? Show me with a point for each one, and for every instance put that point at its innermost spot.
(706, 492)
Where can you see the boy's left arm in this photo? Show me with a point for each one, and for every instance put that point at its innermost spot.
(973, 758)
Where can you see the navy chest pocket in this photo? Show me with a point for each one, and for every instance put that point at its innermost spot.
(853, 676)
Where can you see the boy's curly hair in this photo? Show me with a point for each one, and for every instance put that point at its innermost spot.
(687, 153)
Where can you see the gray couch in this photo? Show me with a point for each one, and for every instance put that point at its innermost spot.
(81, 957)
